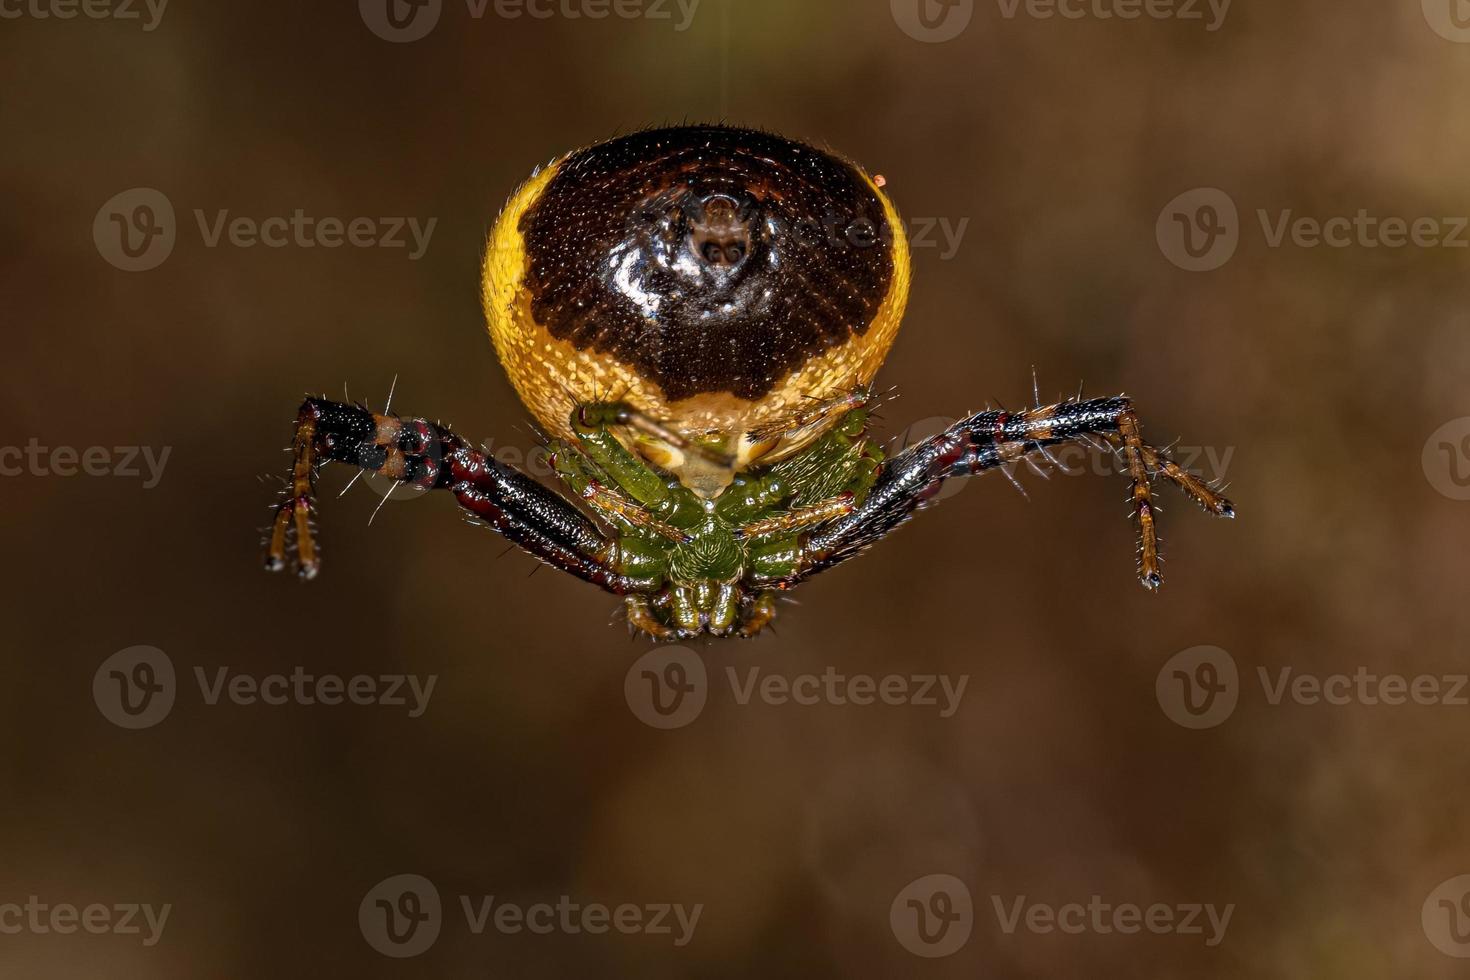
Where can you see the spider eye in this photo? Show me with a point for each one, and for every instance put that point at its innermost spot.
(719, 231)
(723, 255)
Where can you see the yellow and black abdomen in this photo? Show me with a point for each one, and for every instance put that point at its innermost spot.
(718, 279)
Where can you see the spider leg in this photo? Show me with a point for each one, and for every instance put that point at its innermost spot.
(599, 414)
(807, 416)
(758, 615)
(431, 457)
(800, 517)
(641, 617)
(988, 441)
(1159, 461)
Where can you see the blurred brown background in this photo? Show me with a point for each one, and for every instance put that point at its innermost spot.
(1060, 142)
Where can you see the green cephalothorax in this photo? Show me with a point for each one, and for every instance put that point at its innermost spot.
(712, 553)
(705, 561)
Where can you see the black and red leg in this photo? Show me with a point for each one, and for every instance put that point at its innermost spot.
(431, 457)
(993, 439)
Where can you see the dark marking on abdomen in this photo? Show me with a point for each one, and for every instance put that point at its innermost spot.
(707, 258)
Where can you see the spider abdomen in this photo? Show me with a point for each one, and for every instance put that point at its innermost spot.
(712, 277)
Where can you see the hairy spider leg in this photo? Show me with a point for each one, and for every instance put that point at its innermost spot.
(431, 457)
(986, 441)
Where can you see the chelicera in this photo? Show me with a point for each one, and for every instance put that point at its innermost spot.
(695, 316)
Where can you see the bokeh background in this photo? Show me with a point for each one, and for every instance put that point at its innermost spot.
(1318, 375)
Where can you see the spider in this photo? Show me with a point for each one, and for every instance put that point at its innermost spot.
(694, 316)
